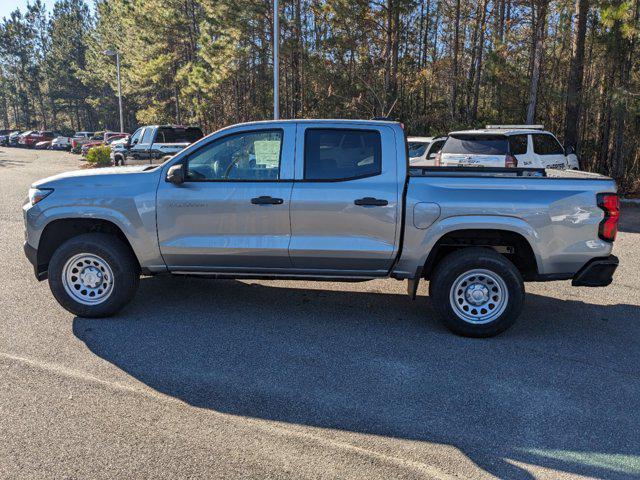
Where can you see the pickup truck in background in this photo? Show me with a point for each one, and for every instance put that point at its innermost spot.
(150, 144)
(322, 199)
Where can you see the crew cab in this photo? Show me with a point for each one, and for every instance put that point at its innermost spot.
(528, 146)
(152, 143)
(318, 200)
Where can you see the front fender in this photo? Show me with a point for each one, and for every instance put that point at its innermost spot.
(140, 230)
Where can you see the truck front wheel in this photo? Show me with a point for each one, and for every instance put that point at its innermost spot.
(93, 275)
(477, 292)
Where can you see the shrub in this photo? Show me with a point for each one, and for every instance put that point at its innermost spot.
(99, 156)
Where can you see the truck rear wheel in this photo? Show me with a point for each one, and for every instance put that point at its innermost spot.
(93, 275)
(477, 292)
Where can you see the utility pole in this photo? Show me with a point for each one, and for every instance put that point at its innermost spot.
(276, 41)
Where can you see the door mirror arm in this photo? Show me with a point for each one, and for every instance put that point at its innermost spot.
(175, 174)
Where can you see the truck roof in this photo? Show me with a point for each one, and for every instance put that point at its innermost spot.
(322, 120)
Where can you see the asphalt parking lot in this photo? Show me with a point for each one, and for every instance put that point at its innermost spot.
(265, 379)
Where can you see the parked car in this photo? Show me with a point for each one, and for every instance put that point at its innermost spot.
(20, 136)
(108, 139)
(4, 136)
(80, 138)
(152, 143)
(418, 149)
(61, 142)
(14, 138)
(428, 155)
(12, 141)
(85, 148)
(30, 139)
(527, 146)
(319, 199)
(45, 145)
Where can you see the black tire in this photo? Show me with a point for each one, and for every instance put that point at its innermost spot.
(452, 268)
(125, 268)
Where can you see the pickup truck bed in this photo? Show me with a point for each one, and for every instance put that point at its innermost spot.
(321, 199)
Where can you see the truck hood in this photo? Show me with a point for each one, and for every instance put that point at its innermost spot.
(95, 177)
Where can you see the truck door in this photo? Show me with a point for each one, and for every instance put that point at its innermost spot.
(142, 149)
(549, 151)
(346, 199)
(232, 212)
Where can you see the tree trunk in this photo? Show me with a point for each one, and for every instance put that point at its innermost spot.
(576, 73)
(538, 50)
(454, 74)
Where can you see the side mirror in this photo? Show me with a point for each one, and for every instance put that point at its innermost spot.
(431, 156)
(569, 150)
(175, 174)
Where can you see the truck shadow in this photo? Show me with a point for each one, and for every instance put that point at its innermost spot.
(560, 390)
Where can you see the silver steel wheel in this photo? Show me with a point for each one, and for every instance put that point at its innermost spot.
(87, 279)
(479, 296)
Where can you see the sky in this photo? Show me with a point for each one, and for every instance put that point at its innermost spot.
(8, 6)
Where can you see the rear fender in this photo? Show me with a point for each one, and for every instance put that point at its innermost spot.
(417, 254)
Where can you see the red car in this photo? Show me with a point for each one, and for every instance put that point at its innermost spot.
(108, 138)
(34, 137)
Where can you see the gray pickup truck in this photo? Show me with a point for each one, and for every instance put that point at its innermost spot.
(322, 199)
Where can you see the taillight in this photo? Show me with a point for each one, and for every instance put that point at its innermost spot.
(511, 162)
(610, 203)
(438, 159)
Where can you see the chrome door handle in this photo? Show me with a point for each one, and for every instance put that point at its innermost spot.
(371, 202)
(266, 200)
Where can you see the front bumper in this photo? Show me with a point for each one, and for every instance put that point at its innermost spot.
(598, 272)
(32, 255)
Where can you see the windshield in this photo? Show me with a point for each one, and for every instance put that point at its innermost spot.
(417, 149)
(477, 145)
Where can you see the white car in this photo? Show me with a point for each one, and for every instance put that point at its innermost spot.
(61, 143)
(526, 146)
(418, 147)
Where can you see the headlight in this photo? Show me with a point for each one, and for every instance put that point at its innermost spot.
(37, 194)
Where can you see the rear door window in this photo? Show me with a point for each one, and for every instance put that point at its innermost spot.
(544, 144)
(518, 144)
(476, 145)
(178, 135)
(341, 154)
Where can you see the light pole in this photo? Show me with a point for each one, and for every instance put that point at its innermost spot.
(115, 53)
(276, 41)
